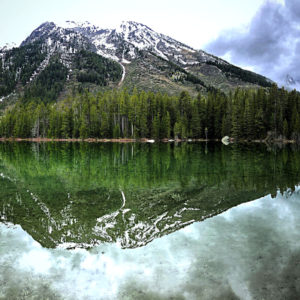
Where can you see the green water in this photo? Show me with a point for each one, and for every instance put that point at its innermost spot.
(80, 195)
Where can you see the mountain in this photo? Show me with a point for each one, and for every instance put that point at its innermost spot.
(291, 83)
(56, 60)
(122, 44)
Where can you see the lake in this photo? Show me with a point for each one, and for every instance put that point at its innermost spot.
(149, 221)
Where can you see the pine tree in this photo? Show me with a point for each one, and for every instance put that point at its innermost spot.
(156, 126)
(236, 128)
(285, 129)
(248, 120)
(259, 131)
(195, 123)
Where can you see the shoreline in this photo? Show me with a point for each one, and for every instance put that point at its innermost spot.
(140, 140)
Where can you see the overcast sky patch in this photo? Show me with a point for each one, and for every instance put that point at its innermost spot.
(270, 43)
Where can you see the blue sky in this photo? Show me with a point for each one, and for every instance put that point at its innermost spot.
(194, 22)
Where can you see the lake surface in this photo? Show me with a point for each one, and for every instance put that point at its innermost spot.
(149, 221)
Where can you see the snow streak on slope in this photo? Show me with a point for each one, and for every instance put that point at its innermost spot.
(123, 75)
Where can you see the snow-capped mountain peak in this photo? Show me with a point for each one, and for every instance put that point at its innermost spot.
(121, 44)
(144, 38)
(124, 44)
(72, 24)
(78, 26)
(130, 26)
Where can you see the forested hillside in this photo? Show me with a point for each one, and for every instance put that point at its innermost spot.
(18, 65)
(243, 115)
(49, 84)
(34, 72)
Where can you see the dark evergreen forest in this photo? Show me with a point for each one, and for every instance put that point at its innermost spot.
(243, 115)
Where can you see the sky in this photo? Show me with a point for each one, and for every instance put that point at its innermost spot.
(194, 22)
(256, 34)
(269, 44)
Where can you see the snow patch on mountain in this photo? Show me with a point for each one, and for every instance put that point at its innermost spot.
(123, 74)
(291, 83)
(121, 44)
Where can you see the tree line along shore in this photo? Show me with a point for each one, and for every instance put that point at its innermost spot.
(118, 115)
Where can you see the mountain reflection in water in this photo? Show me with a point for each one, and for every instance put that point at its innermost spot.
(74, 195)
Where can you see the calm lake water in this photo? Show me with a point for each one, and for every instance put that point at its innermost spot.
(149, 221)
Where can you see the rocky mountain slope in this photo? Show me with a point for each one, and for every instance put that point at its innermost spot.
(76, 55)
